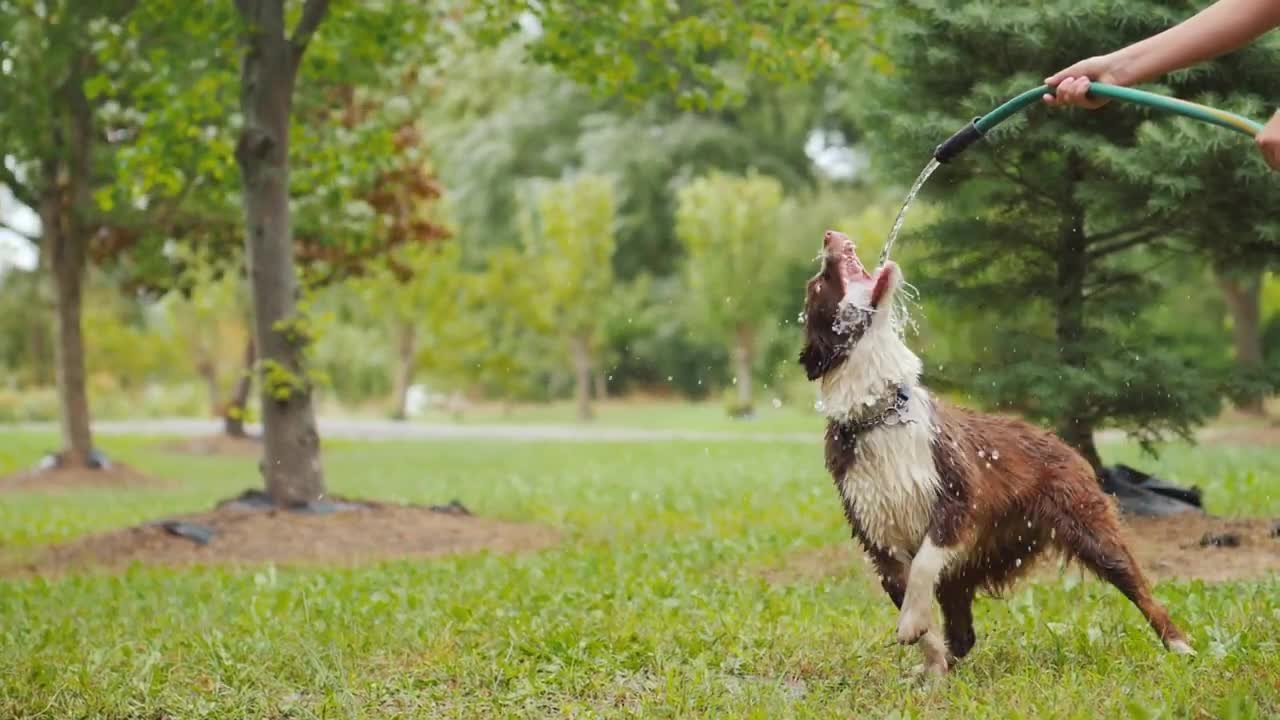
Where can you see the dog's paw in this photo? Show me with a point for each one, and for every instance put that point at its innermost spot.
(930, 669)
(912, 624)
(1180, 647)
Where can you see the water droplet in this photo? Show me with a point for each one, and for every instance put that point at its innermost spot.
(1018, 562)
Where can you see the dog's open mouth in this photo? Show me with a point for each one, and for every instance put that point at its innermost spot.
(839, 250)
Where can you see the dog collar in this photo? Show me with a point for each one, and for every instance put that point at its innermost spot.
(889, 410)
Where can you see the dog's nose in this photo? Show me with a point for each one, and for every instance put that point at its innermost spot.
(833, 239)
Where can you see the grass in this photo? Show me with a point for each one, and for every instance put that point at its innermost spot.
(653, 606)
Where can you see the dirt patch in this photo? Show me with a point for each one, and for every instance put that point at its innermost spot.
(1171, 547)
(1167, 548)
(373, 531)
(1265, 435)
(55, 480)
(222, 445)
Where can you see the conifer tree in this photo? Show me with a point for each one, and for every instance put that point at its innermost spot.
(1051, 236)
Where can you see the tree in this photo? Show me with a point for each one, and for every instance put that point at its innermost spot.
(269, 72)
(1221, 191)
(568, 236)
(733, 245)
(206, 310)
(497, 122)
(367, 43)
(420, 300)
(56, 149)
(1037, 219)
(697, 52)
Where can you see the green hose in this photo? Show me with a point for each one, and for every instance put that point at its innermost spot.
(979, 127)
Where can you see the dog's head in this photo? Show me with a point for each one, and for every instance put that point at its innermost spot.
(844, 305)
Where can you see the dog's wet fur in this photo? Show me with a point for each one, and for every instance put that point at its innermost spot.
(948, 502)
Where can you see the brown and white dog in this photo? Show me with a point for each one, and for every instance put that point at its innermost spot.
(945, 501)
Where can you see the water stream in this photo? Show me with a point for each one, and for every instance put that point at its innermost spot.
(902, 214)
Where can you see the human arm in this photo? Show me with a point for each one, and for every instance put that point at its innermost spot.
(1220, 28)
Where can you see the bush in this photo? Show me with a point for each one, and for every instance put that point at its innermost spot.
(31, 405)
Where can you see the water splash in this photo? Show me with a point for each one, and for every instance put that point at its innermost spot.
(902, 214)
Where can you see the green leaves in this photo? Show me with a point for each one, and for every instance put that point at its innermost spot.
(696, 52)
(733, 241)
(567, 231)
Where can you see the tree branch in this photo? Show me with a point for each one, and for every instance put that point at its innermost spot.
(1048, 198)
(312, 15)
(1125, 244)
(1117, 232)
(20, 191)
(1102, 286)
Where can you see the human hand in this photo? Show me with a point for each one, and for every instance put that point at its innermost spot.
(1072, 83)
(1269, 142)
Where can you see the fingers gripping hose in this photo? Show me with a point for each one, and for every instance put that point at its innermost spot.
(975, 130)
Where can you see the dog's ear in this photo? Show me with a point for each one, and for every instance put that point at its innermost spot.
(816, 358)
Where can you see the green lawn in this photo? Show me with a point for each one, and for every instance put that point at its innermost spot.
(653, 606)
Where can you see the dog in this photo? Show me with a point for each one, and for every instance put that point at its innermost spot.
(945, 501)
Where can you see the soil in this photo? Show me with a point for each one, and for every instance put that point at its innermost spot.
(1265, 435)
(63, 479)
(1168, 548)
(220, 444)
(372, 532)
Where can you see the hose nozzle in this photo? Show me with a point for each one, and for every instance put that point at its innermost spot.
(958, 143)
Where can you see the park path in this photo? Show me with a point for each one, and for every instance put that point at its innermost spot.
(389, 430)
(373, 429)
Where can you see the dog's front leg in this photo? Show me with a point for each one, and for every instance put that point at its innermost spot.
(915, 623)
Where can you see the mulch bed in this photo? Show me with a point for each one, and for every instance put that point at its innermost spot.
(55, 480)
(1188, 546)
(348, 533)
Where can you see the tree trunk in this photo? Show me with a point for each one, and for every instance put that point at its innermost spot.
(67, 255)
(1244, 295)
(291, 453)
(404, 376)
(582, 375)
(65, 194)
(1077, 427)
(602, 385)
(234, 414)
(209, 374)
(742, 352)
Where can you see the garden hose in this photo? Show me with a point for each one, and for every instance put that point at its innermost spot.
(975, 130)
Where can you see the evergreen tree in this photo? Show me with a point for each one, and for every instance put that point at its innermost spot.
(1042, 237)
(1225, 195)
